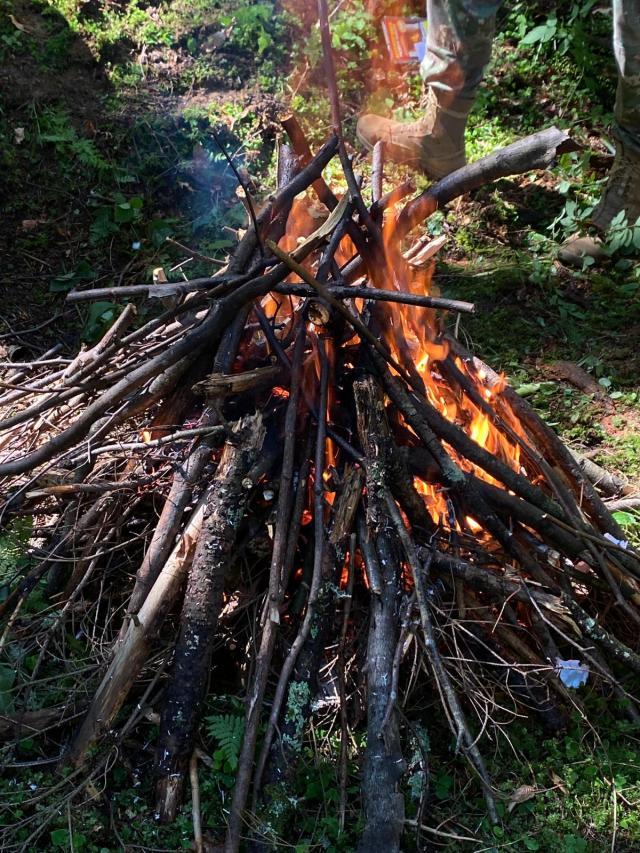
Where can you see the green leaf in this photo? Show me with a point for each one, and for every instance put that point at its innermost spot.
(67, 281)
(123, 213)
(626, 519)
(574, 844)
(158, 231)
(62, 283)
(531, 844)
(544, 32)
(528, 389)
(103, 225)
(228, 730)
(100, 316)
(60, 838)
(443, 785)
(214, 245)
(314, 790)
(264, 42)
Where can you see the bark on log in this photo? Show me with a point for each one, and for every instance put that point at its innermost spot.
(224, 510)
(185, 478)
(537, 151)
(383, 763)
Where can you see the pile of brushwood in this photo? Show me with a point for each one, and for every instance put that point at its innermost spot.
(291, 483)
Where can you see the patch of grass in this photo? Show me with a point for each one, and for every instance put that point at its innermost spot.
(623, 454)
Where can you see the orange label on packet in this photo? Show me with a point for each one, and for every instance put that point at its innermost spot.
(406, 38)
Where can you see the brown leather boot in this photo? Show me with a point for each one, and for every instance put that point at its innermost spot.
(433, 144)
(622, 192)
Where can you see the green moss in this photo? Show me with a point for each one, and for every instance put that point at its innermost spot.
(298, 700)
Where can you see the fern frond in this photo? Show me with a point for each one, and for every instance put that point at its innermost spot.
(228, 730)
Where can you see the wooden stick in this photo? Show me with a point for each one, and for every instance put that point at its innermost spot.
(329, 66)
(226, 501)
(131, 654)
(198, 842)
(383, 804)
(185, 478)
(462, 730)
(269, 632)
(377, 171)
(397, 296)
(537, 151)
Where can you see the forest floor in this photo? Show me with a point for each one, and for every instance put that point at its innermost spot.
(106, 145)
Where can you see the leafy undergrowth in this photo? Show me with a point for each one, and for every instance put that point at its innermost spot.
(112, 124)
(572, 794)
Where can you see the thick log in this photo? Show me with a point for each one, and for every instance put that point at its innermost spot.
(610, 484)
(383, 763)
(537, 151)
(224, 510)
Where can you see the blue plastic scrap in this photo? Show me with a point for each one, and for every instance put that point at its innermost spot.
(572, 673)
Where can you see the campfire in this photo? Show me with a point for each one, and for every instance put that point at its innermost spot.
(293, 469)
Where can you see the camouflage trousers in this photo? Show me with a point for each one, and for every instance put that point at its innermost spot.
(459, 47)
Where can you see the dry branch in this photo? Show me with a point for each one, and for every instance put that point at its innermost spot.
(224, 509)
(383, 804)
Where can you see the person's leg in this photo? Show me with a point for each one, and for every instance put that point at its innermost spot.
(622, 191)
(459, 40)
(626, 49)
(460, 34)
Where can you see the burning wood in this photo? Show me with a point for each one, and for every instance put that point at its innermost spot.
(311, 402)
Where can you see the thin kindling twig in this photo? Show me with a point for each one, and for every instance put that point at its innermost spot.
(198, 841)
(463, 734)
(377, 171)
(329, 66)
(344, 720)
(245, 189)
(360, 292)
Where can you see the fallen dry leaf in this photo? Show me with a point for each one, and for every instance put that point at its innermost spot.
(92, 790)
(16, 23)
(558, 782)
(521, 795)
(31, 224)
